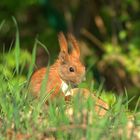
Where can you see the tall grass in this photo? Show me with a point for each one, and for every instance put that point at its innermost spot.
(21, 114)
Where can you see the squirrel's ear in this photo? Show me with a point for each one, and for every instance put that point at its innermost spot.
(62, 42)
(75, 52)
(63, 57)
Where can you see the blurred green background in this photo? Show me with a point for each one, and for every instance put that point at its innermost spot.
(108, 33)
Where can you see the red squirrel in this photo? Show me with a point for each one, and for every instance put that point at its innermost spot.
(67, 70)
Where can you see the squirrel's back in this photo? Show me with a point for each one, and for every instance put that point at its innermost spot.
(53, 81)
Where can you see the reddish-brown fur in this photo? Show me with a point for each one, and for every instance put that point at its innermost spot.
(53, 81)
(58, 72)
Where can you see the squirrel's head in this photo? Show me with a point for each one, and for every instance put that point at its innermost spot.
(71, 70)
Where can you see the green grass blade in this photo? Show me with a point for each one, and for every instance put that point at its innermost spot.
(17, 47)
(44, 82)
(42, 45)
(33, 61)
(137, 105)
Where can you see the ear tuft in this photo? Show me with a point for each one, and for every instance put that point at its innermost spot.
(75, 47)
(62, 42)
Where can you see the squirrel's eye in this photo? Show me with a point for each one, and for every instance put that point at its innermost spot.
(71, 69)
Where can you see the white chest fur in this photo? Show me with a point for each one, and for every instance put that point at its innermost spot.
(65, 88)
